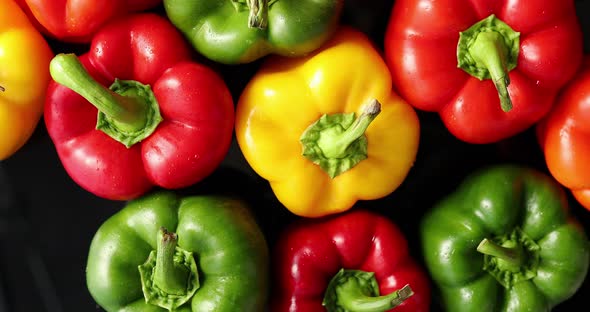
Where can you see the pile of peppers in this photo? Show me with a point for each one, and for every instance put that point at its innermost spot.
(135, 99)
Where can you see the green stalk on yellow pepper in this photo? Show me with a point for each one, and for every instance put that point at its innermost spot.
(326, 135)
(24, 76)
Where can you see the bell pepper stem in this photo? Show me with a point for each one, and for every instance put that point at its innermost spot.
(334, 144)
(489, 49)
(357, 290)
(512, 256)
(168, 276)
(128, 112)
(258, 17)
(353, 299)
(2, 89)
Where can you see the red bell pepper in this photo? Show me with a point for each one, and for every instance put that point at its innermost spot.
(344, 262)
(564, 136)
(491, 69)
(165, 120)
(77, 21)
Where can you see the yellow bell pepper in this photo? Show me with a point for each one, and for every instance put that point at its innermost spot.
(24, 76)
(326, 130)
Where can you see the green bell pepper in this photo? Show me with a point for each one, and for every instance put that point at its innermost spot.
(242, 31)
(163, 252)
(504, 241)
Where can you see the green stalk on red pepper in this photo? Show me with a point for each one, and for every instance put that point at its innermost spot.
(505, 241)
(164, 252)
(356, 261)
(136, 112)
(490, 69)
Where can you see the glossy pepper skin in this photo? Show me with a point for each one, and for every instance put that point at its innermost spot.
(505, 241)
(78, 20)
(24, 76)
(203, 253)
(242, 31)
(564, 136)
(334, 133)
(490, 69)
(310, 252)
(165, 121)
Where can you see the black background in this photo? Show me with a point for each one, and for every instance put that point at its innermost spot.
(47, 221)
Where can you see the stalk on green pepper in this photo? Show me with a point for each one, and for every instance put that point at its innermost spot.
(163, 252)
(504, 241)
(242, 31)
